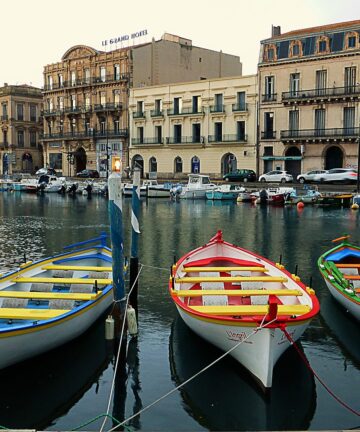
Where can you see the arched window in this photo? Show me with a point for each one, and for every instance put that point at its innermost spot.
(295, 49)
(152, 164)
(178, 165)
(195, 165)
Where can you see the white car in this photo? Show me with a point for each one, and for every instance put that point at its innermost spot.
(309, 176)
(338, 175)
(276, 176)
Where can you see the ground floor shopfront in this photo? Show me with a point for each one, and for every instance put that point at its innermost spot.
(20, 160)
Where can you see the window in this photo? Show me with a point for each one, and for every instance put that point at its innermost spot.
(158, 134)
(321, 79)
(20, 138)
(178, 165)
(20, 111)
(319, 121)
(196, 133)
(33, 116)
(103, 127)
(177, 133)
(295, 50)
(32, 139)
(177, 105)
(350, 79)
(351, 42)
(158, 106)
(4, 110)
(269, 87)
(117, 98)
(73, 101)
(268, 151)
(5, 137)
(294, 122)
(269, 125)
(87, 76)
(218, 99)
(61, 80)
(349, 120)
(218, 131)
(240, 100)
(294, 84)
(50, 104)
(152, 164)
(322, 46)
(102, 74)
(61, 103)
(140, 108)
(270, 54)
(240, 130)
(116, 126)
(140, 134)
(49, 82)
(103, 99)
(87, 101)
(73, 78)
(55, 160)
(116, 72)
(196, 104)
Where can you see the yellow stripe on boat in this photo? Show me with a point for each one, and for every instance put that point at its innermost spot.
(241, 293)
(60, 281)
(224, 269)
(49, 295)
(76, 268)
(231, 279)
(30, 314)
(251, 310)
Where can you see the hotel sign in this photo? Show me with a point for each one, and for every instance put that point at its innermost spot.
(124, 38)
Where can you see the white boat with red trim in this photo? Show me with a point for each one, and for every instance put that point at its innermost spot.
(52, 301)
(242, 303)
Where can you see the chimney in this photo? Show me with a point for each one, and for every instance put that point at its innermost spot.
(275, 31)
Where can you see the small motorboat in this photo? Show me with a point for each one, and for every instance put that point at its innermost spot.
(196, 187)
(225, 192)
(47, 303)
(146, 184)
(244, 196)
(274, 196)
(242, 303)
(50, 183)
(340, 269)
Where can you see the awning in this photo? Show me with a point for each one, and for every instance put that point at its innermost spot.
(285, 158)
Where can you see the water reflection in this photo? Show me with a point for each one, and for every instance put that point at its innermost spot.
(225, 398)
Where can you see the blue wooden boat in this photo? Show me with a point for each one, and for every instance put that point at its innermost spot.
(47, 303)
(224, 192)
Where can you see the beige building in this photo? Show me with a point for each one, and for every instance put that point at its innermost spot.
(206, 126)
(86, 122)
(309, 98)
(21, 127)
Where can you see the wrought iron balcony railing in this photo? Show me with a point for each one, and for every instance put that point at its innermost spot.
(138, 114)
(269, 97)
(227, 138)
(219, 108)
(334, 133)
(86, 81)
(157, 113)
(239, 107)
(154, 140)
(185, 140)
(268, 134)
(331, 92)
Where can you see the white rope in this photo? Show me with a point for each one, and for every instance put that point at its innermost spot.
(119, 350)
(194, 376)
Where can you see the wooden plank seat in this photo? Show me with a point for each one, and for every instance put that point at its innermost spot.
(197, 279)
(60, 281)
(49, 295)
(236, 293)
(30, 314)
(250, 310)
(76, 268)
(352, 277)
(225, 269)
(340, 265)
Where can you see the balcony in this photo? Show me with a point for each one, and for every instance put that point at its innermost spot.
(269, 97)
(73, 110)
(227, 138)
(185, 140)
(268, 135)
(333, 94)
(156, 113)
(4, 117)
(138, 114)
(144, 141)
(186, 111)
(239, 107)
(320, 135)
(4, 145)
(219, 108)
(112, 133)
(110, 106)
(87, 81)
(50, 112)
(86, 134)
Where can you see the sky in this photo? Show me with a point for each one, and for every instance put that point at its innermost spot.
(35, 33)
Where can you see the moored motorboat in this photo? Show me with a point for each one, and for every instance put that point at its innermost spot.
(241, 303)
(225, 192)
(196, 187)
(52, 301)
(339, 267)
(50, 183)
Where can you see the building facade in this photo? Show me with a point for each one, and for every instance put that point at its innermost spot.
(309, 98)
(20, 127)
(206, 126)
(86, 120)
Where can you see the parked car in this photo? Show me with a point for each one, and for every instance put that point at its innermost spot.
(88, 173)
(240, 175)
(308, 177)
(276, 176)
(338, 175)
(49, 171)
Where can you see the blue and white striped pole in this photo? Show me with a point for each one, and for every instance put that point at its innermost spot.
(135, 231)
(116, 232)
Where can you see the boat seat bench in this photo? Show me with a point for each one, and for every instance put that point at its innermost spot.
(30, 314)
(49, 295)
(231, 292)
(76, 268)
(231, 279)
(352, 277)
(339, 265)
(59, 281)
(225, 269)
(251, 310)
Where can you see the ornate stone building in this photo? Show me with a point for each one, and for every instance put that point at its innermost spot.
(206, 126)
(309, 98)
(20, 129)
(86, 96)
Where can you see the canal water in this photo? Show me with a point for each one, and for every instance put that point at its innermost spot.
(70, 386)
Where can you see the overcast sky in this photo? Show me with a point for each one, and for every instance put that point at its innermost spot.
(38, 32)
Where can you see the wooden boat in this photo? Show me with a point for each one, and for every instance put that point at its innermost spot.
(335, 200)
(340, 269)
(52, 301)
(224, 293)
(224, 192)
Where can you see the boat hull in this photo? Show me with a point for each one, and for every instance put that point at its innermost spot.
(156, 192)
(346, 301)
(257, 352)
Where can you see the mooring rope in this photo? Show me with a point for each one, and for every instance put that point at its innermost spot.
(326, 387)
(262, 326)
